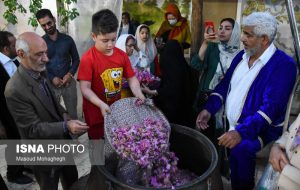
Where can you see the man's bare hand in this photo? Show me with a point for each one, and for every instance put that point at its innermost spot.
(202, 119)
(57, 82)
(67, 79)
(278, 158)
(77, 127)
(230, 139)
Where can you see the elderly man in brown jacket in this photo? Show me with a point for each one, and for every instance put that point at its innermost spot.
(37, 113)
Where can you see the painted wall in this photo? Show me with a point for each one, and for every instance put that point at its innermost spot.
(215, 10)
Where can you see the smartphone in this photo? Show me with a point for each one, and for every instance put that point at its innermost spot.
(210, 24)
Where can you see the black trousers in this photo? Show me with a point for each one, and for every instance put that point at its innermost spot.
(12, 133)
(2, 184)
(97, 180)
(48, 179)
(12, 171)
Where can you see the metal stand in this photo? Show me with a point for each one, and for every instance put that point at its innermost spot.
(294, 29)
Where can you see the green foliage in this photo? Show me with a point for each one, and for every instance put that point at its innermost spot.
(151, 3)
(166, 2)
(65, 13)
(297, 9)
(142, 13)
(274, 1)
(14, 6)
(149, 13)
(185, 7)
(34, 6)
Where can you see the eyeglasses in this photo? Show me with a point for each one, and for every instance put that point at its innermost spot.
(130, 45)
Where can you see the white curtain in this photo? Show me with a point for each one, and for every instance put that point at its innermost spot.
(80, 28)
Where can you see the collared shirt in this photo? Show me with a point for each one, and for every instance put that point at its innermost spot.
(63, 56)
(45, 89)
(8, 64)
(241, 82)
(41, 80)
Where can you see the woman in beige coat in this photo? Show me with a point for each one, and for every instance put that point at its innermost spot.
(285, 157)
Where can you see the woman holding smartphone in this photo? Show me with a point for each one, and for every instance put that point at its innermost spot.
(213, 59)
(215, 55)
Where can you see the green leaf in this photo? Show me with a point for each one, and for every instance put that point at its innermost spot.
(32, 21)
(10, 17)
(73, 14)
(35, 5)
(21, 8)
(68, 2)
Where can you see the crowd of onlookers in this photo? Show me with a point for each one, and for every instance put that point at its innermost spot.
(247, 90)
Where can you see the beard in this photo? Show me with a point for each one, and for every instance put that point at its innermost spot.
(38, 67)
(51, 30)
(253, 51)
(42, 68)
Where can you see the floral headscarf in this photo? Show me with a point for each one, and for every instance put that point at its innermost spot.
(227, 52)
(233, 45)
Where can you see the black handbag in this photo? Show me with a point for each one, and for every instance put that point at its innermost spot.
(203, 95)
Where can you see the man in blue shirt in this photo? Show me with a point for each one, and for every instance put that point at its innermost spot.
(63, 61)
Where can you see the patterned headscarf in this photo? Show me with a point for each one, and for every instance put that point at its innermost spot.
(227, 52)
(233, 45)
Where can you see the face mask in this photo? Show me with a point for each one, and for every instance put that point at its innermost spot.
(172, 21)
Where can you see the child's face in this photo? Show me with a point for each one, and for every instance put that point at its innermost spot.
(130, 47)
(144, 34)
(105, 43)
